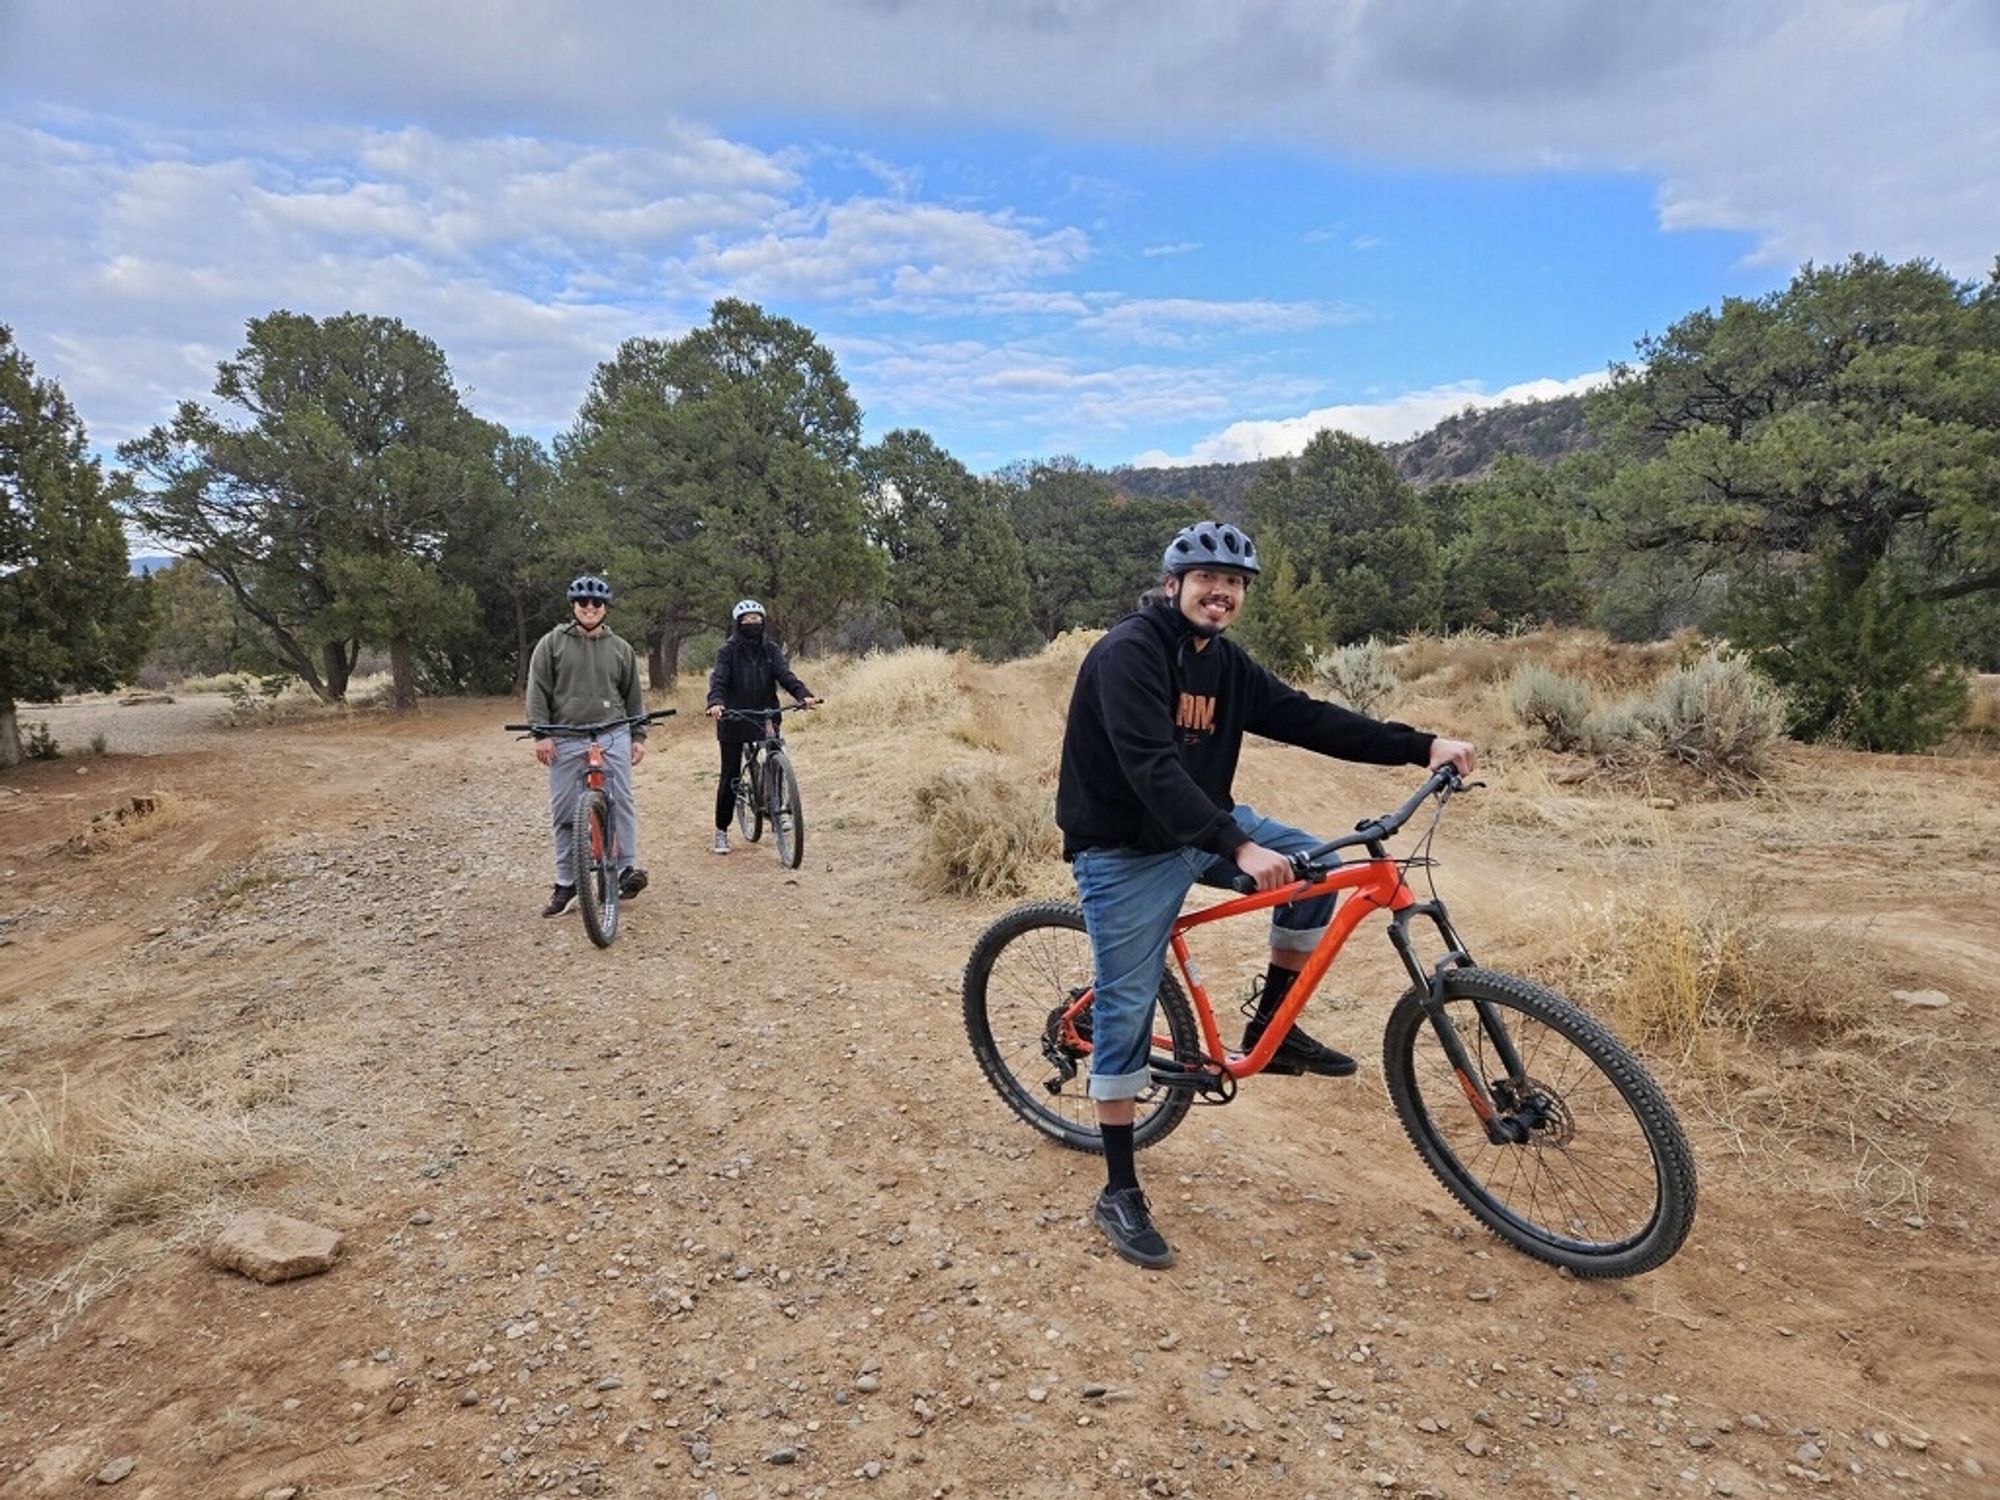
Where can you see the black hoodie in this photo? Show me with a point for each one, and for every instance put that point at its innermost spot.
(1155, 728)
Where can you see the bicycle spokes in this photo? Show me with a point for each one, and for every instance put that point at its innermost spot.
(1552, 1141)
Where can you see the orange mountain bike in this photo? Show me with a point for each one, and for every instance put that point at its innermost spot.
(1530, 1113)
(594, 844)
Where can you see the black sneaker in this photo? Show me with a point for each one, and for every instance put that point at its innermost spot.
(631, 883)
(559, 900)
(1127, 1223)
(1299, 1053)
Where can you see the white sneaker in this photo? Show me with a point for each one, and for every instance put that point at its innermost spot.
(721, 844)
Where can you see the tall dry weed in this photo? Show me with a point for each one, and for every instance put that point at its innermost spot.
(1676, 963)
(984, 833)
(893, 687)
(80, 1160)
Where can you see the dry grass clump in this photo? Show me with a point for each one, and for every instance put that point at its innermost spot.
(1071, 646)
(1982, 707)
(984, 834)
(79, 1161)
(144, 817)
(916, 683)
(1359, 675)
(1674, 966)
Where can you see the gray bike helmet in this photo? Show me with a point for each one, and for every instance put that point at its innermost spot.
(747, 607)
(1210, 544)
(587, 587)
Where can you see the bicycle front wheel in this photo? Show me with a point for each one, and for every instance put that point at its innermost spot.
(1590, 1170)
(787, 818)
(596, 867)
(749, 801)
(1025, 971)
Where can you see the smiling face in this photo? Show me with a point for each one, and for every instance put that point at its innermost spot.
(1208, 598)
(589, 613)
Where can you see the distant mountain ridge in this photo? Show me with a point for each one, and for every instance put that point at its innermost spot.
(1464, 446)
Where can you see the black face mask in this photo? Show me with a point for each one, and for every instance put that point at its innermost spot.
(751, 633)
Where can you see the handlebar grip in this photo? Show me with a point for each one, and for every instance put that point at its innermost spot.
(1243, 885)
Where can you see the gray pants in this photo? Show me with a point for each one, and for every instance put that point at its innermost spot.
(566, 773)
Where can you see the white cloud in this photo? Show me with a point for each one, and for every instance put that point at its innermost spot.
(1179, 247)
(135, 264)
(1389, 421)
(1819, 126)
(1176, 321)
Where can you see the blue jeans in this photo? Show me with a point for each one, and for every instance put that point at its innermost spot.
(1130, 901)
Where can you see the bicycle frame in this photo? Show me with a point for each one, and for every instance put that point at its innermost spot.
(1376, 884)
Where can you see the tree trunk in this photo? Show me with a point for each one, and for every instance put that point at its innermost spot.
(10, 735)
(339, 667)
(403, 673)
(656, 667)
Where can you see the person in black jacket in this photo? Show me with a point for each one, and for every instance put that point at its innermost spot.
(749, 669)
(1156, 723)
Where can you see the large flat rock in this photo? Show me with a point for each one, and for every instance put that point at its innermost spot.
(269, 1247)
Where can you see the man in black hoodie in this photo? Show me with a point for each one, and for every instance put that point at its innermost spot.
(749, 669)
(1156, 723)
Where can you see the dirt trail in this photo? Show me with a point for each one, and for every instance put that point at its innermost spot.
(728, 1209)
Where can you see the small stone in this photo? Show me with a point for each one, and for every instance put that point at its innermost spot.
(116, 1470)
(1427, 1424)
(872, 1469)
(270, 1247)
(398, 1404)
(1037, 1394)
(282, 1492)
(1167, 1341)
(422, 1216)
(1095, 1391)
(1922, 999)
(782, 1456)
(608, 1383)
(1972, 1466)
(468, 1398)
(1809, 1453)
(868, 1384)
(1916, 1442)
(1476, 1446)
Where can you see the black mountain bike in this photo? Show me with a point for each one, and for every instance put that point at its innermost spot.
(593, 838)
(767, 788)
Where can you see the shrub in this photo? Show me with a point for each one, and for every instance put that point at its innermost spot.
(99, 743)
(1555, 707)
(983, 833)
(917, 683)
(1358, 675)
(40, 743)
(1718, 717)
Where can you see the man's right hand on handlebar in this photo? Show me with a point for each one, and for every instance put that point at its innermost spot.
(545, 751)
(1267, 867)
(1461, 755)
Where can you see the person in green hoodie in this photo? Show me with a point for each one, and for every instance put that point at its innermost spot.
(583, 672)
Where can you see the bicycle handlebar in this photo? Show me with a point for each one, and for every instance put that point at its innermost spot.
(1445, 780)
(768, 713)
(578, 731)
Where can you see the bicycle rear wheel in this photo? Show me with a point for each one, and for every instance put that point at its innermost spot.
(1597, 1177)
(596, 866)
(787, 818)
(1024, 972)
(749, 799)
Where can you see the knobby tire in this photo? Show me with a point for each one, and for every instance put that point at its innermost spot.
(1025, 966)
(1605, 1183)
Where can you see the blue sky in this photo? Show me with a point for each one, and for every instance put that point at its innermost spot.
(1132, 232)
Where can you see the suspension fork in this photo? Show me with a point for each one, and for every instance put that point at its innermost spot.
(1501, 1126)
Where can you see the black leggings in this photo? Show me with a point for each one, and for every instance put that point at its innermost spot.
(725, 786)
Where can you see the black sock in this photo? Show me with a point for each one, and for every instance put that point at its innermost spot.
(1118, 1164)
(1277, 985)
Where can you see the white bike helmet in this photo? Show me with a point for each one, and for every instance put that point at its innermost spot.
(747, 607)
